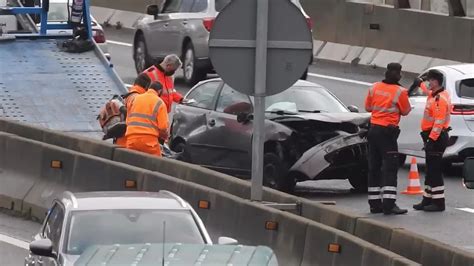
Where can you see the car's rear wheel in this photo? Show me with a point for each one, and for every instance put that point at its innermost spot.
(275, 173)
(359, 181)
(191, 72)
(140, 55)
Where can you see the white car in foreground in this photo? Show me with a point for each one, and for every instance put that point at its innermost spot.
(459, 82)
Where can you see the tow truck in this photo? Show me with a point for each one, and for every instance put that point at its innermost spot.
(42, 85)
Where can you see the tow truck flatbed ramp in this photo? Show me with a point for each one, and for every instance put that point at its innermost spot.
(42, 85)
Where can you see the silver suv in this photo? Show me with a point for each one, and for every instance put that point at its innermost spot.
(181, 27)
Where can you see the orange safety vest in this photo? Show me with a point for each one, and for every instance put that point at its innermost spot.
(387, 102)
(169, 94)
(147, 116)
(437, 114)
(133, 92)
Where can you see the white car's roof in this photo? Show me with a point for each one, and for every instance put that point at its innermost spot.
(462, 69)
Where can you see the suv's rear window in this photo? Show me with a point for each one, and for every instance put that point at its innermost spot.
(466, 88)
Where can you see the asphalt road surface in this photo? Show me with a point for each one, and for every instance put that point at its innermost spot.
(349, 83)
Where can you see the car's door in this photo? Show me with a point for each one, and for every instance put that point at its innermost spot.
(52, 230)
(231, 140)
(160, 29)
(191, 120)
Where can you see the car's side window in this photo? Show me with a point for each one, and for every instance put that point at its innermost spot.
(204, 95)
(199, 6)
(172, 6)
(233, 102)
(53, 226)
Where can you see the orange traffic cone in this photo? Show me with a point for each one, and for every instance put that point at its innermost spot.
(414, 186)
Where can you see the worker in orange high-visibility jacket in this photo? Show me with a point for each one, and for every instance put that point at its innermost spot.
(387, 101)
(140, 86)
(163, 73)
(435, 127)
(147, 122)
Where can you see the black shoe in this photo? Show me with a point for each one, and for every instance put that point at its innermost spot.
(395, 210)
(376, 210)
(420, 206)
(434, 208)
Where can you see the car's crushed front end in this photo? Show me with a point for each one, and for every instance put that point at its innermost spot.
(326, 145)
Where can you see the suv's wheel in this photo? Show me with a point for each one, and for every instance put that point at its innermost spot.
(140, 55)
(275, 173)
(359, 181)
(192, 74)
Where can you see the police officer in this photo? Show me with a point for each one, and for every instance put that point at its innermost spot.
(387, 101)
(435, 127)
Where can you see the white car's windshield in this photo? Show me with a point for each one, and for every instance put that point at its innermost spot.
(108, 227)
(304, 99)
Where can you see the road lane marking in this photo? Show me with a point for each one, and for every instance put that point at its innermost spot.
(15, 242)
(120, 43)
(128, 85)
(466, 210)
(340, 79)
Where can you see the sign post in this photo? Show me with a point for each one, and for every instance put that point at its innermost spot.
(260, 48)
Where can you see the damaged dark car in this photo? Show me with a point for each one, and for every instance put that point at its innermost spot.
(310, 134)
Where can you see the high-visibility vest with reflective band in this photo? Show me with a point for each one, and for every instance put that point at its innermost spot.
(437, 114)
(169, 94)
(387, 102)
(147, 116)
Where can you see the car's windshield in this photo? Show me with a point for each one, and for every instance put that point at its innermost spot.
(108, 227)
(300, 99)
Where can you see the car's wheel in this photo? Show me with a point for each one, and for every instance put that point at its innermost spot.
(305, 75)
(402, 158)
(192, 74)
(180, 148)
(359, 181)
(140, 55)
(275, 173)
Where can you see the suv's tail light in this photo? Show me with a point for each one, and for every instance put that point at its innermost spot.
(310, 23)
(98, 35)
(208, 23)
(460, 109)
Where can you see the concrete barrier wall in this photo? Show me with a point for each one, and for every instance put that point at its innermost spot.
(88, 169)
(409, 31)
(297, 241)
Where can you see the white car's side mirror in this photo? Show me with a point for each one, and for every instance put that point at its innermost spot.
(227, 241)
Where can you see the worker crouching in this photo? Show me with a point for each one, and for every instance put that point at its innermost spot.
(147, 121)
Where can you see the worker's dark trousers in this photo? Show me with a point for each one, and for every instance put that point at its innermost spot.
(434, 183)
(383, 166)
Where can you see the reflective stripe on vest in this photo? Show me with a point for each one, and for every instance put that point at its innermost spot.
(394, 108)
(141, 124)
(151, 117)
